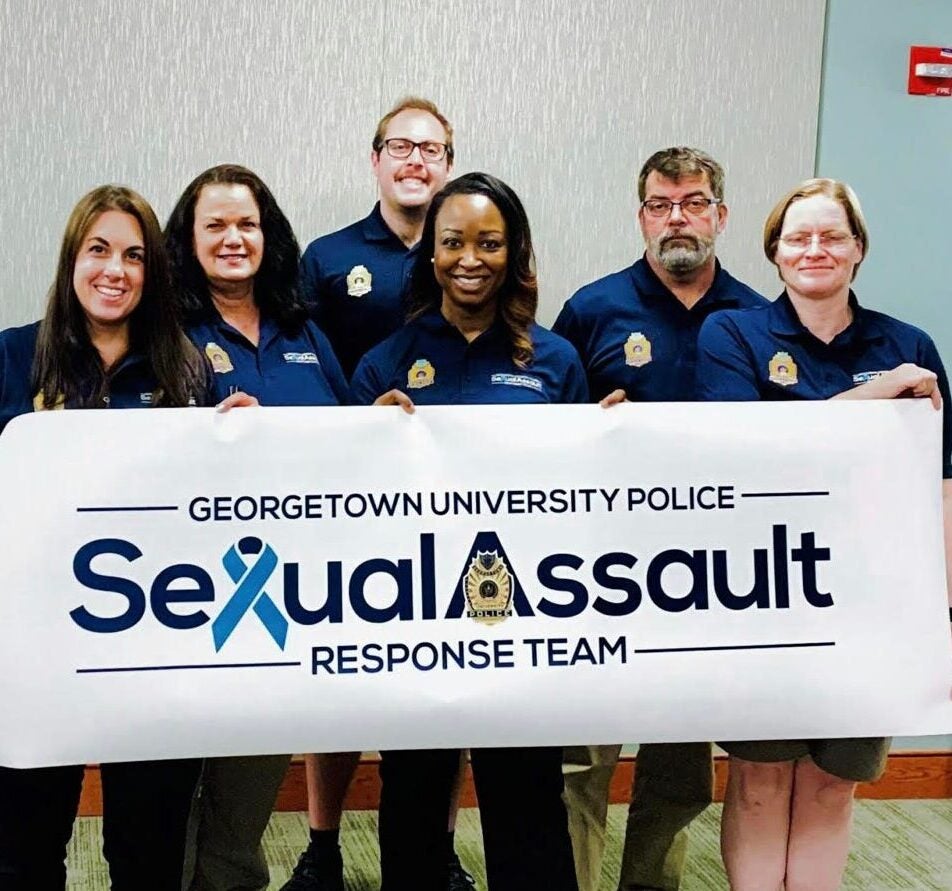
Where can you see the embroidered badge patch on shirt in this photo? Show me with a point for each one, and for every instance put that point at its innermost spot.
(421, 374)
(221, 364)
(637, 350)
(782, 369)
(518, 380)
(359, 281)
(301, 358)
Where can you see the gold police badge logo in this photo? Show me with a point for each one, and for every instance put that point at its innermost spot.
(488, 588)
(782, 369)
(359, 281)
(221, 364)
(421, 374)
(637, 350)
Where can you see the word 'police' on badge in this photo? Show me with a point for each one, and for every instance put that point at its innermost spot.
(421, 374)
(637, 350)
(782, 369)
(359, 281)
(221, 364)
(488, 587)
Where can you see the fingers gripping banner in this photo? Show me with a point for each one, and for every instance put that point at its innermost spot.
(180, 582)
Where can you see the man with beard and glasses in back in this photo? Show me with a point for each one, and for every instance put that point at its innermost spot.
(636, 332)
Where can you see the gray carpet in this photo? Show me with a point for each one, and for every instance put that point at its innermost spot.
(896, 845)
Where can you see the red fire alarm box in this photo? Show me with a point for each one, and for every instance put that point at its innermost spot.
(930, 71)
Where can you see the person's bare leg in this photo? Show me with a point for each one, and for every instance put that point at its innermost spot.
(321, 865)
(328, 779)
(755, 824)
(820, 823)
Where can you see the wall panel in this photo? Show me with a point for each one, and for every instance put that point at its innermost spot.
(563, 100)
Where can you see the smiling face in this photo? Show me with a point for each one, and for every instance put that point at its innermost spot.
(470, 252)
(816, 271)
(681, 243)
(412, 182)
(227, 236)
(109, 270)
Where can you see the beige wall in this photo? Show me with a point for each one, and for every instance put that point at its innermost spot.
(562, 99)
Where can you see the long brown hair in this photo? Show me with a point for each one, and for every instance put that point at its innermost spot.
(519, 293)
(66, 365)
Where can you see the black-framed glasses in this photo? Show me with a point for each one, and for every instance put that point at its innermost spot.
(696, 205)
(401, 149)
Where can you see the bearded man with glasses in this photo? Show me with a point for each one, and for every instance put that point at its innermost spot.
(636, 332)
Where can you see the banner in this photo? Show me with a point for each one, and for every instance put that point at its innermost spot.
(179, 582)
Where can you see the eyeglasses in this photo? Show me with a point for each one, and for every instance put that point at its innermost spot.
(401, 149)
(828, 241)
(695, 206)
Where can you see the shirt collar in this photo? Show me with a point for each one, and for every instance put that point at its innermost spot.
(375, 228)
(267, 329)
(435, 322)
(784, 322)
(718, 294)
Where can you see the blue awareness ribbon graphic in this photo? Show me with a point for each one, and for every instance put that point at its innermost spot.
(249, 593)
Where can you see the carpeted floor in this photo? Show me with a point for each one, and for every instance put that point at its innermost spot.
(897, 845)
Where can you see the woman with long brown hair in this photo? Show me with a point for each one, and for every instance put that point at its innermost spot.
(108, 339)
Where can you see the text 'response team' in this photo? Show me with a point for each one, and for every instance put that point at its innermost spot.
(431, 299)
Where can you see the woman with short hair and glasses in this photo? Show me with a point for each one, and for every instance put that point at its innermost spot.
(786, 820)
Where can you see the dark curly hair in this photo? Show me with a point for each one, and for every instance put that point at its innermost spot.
(518, 295)
(275, 285)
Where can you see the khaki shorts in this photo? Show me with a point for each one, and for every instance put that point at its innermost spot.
(859, 760)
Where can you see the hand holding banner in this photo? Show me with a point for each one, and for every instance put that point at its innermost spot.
(180, 582)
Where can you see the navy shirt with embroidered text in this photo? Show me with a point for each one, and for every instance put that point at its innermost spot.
(353, 282)
(632, 333)
(130, 385)
(283, 369)
(431, 361)
(768, 354)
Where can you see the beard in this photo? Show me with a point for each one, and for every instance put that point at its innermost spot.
(682, 255)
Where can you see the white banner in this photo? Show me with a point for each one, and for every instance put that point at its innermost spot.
(179, 582)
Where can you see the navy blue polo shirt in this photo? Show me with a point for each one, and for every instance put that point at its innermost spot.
(283, 369)
(632, 333)
(353, 282)
(430, 361)
(768, 354)
(130, 385)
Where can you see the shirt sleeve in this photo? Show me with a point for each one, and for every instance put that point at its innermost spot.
(929, 358)
(567, 326)
(329, 363)
(367, 383)
(725, 370)
(574, 383)
(309, 286)
(15, 369)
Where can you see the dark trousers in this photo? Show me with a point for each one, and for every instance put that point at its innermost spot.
(525, 828)
(145, 811)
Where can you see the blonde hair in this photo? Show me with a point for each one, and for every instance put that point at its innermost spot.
(839, 192)
(415, 103)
